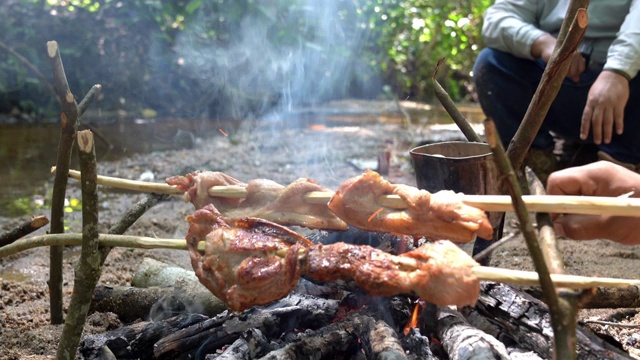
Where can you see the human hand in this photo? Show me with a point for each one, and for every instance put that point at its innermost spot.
(597, 179)
(543, 48)
(577, 67)
(605, 107)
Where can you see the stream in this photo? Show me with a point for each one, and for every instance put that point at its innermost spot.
(27, 152)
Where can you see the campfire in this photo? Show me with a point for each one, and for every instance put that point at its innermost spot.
(290, 297)
(404, 293)
(339, 293)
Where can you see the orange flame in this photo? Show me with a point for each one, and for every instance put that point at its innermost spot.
(374, 214)
(317, 127)
(413, 322)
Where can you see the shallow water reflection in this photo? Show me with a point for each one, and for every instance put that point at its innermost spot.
(27, 152)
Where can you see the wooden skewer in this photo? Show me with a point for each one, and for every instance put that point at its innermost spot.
(529, 278)
(514, 277)
(560, 204)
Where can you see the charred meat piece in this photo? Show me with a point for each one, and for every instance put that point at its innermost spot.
(435, 216)
(256, 262)
(253, 263)
(438, 272)
(265, 199)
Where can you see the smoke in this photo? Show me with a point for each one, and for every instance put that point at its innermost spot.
(277, 61)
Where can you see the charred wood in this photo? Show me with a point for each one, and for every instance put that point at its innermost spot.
(134, 341)
(251, 345)
(524, 320)
(381, 342)
(519, 354)
(393, 244)
(239, 350)
(463, 341)
(606, 298)
(153, 303)
(325, 290)
(339, 338)
(294, 311)
(417, 345)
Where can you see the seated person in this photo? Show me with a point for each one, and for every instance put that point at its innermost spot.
(601, 178)
(599, 101)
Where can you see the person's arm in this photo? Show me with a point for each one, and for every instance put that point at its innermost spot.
(511, 26)
(597, 179)
(623, 56)
(608, 96)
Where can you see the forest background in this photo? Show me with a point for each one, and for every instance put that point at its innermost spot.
(234, 58)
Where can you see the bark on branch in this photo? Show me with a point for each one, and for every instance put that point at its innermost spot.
(89, 267)
(451, 108)
(69, 121)
(23, 229)
(549, 85)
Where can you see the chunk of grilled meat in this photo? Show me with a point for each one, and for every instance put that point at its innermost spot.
(256, 262)
(438, 272)
(265, 199)
(441, 215)
(253, 263)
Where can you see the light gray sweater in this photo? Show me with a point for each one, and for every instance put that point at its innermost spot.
(614, 29)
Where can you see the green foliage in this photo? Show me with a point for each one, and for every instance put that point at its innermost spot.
(413, 35)
(21, 206)
(136, 50)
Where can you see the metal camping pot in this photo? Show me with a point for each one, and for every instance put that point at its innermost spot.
(465, 167)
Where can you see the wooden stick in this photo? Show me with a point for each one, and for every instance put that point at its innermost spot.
(451, 108)
(23, 229)
(142, 186)
(89, 266)
(560, 204)
(574, 26)
(69, 121)
(514, 277)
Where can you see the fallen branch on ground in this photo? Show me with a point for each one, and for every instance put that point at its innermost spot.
(23, 229)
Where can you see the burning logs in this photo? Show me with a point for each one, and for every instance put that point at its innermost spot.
(198, 335)
(250, 345)
(291, 312)
(383, 342)
(463, 341)
(336, 339)
(136, 340)
(302, 327)
(513, 316)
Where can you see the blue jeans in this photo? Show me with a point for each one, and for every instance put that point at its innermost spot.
(505, 85)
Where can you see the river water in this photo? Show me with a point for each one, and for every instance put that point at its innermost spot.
(27, 152)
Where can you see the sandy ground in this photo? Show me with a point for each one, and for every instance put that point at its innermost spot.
(277, 152)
